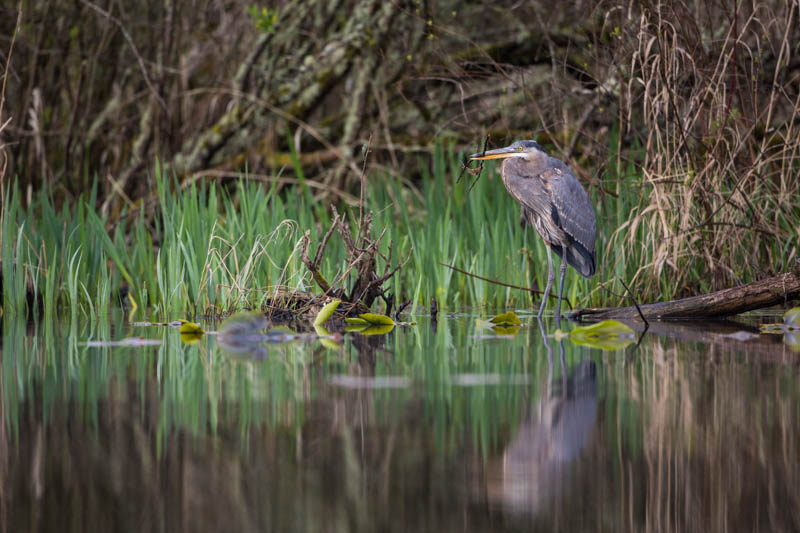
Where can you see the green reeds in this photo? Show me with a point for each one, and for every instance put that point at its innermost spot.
(201, 247)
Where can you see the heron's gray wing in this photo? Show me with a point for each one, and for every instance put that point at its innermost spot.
(575, 210)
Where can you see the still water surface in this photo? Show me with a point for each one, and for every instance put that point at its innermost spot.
(433, 427)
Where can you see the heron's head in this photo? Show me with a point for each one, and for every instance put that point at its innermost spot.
(524, 149)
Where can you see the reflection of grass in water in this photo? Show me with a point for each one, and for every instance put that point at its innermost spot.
(199, 389)
(720, 422)
(671, 420)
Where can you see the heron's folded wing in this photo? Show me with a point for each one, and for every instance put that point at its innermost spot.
(575, 210)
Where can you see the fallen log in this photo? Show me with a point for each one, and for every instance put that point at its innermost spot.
(776, 290)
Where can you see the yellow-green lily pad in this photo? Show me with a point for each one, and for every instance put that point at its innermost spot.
(326, 312)
(792, 317)
(380, 329)
(506, 330)
(371, 319)
(324, 337)
(506, 319)
(606, 335)
(190, 338)
(191, 328)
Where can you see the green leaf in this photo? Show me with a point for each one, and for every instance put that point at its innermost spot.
(325, 337)
(371, 319)
(326, 312)
(370, 329)
(606, 335)
(190, 332)
(610, 344)
(506, 330)
(506, 319)
(792, 317)
(191, 328)
(190, 338)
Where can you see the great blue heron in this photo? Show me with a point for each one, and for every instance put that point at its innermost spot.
(554, 203)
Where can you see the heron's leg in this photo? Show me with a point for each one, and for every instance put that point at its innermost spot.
(551, 275)
(563, 367)
(561, 284)
(549, 350)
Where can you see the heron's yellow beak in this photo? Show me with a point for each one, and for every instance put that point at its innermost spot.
(499, 153)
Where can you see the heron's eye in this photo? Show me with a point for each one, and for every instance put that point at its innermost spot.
(519, 148)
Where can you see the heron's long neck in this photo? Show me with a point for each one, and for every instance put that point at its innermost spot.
(531, 166)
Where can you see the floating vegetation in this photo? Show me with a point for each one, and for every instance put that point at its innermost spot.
(790, 328)
(506, 319)
(791, 323)
(370, 319)
(606, 335)
(504, 324)
(207, 250)
(326, 312)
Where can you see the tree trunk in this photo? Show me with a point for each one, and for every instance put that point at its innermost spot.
(777, 290)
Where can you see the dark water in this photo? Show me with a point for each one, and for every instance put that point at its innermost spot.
(427, 428)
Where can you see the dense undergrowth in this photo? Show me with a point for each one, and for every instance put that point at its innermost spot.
(681, 120)
(213, 249)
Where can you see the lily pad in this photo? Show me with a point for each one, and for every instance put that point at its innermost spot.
(792, 317)
(191, 338)
(325, 337)
(380, 329)
(371, 319)
(506, 319)
(606, 335)
(191, 328)
(506, 330)
(326, 312)
(370, 329)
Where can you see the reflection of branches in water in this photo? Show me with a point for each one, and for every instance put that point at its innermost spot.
(710, 442)
(677, 443)
(368, 348)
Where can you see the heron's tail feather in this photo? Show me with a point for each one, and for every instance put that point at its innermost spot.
(579, 258)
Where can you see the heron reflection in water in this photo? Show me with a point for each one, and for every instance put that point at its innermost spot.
(554, 203)
(534, 464)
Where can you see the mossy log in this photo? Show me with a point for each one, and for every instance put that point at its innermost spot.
(776, 290)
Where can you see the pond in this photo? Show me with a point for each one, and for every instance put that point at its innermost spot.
(438, 426)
